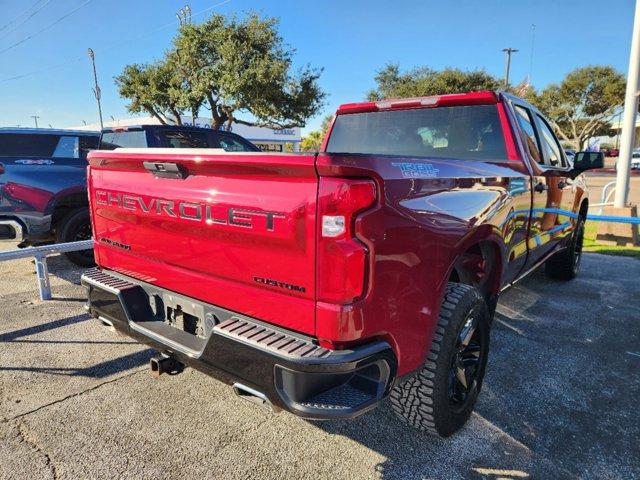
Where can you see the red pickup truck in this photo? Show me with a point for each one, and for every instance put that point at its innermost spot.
(323, 283)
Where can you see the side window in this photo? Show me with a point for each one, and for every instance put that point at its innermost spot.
(68, 147)
(27, 145)
(176, 139)
(551, 147)
(524, 120)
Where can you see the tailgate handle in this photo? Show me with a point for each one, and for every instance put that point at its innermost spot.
(166, 170)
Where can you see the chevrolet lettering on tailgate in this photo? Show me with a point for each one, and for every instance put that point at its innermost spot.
(199, 212)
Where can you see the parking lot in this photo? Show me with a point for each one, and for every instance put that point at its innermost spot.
(560, 399)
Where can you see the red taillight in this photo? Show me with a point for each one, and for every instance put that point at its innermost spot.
(1, 169)
(341, 257)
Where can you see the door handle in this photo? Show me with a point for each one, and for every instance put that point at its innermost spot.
(541, 187)
(166, 170)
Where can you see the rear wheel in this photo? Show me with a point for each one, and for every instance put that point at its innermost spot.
(74, 227)
(565, 264)
(440, 398)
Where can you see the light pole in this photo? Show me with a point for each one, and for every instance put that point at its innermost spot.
(618, 131)
(533, 39)
(629, 118)
(184, 15)
(96, 89)
(508, 51)
(35, 119)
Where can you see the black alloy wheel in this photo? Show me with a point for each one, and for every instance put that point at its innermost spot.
(466, 363)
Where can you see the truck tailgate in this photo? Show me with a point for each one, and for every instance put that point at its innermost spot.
(233, 229)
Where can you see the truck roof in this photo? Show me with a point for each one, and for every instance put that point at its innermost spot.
(162, 127)
(470, 98)
(48, 131)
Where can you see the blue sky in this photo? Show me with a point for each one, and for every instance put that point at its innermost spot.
(350, 39)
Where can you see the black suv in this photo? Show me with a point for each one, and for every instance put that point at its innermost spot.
(169, 136)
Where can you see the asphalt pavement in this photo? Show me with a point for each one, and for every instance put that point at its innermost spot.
(560, 399)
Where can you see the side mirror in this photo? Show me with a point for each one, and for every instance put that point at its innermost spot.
(588, 161)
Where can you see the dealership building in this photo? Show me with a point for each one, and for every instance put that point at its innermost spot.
(267, 139)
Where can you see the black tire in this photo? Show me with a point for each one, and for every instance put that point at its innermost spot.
(435, 400)
(76, 226)
(565, 264)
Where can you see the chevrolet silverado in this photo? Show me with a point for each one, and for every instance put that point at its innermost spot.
(323, 283)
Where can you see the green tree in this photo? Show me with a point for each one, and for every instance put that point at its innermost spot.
(424, 81)
(154, 88)
(313, 140)
(583, 104)
(231, 67)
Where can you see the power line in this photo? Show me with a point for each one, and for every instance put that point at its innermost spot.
(77, 59)
(42, 70)
(19, 16)
(66, 15)
(28, 17)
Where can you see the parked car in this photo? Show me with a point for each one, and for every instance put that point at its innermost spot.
(168, 136)
(43, 193)
(635, 159)
(612, 152)
(322, 283)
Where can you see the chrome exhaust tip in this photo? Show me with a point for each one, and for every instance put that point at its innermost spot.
(254, 396)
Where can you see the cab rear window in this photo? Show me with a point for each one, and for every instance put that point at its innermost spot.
(178, 139)
(462, 132)
(123, 139)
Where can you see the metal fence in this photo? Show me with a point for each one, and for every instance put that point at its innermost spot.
(40, 255)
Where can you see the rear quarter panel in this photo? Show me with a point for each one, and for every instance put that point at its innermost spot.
(429, 212)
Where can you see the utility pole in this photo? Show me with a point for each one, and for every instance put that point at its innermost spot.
(35, 119)
(508, 51)
(96, 89)
(629, 118)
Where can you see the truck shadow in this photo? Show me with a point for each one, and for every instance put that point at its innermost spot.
(480, 450)
(43, 327)
(557, 383)
(98, 370)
